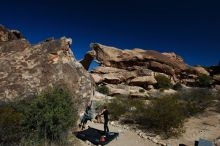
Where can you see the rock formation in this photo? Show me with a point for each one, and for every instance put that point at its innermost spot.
(125, 59)
(139, 67)
(134, 69)
(200, 70)
(27, 69)
(132, 62)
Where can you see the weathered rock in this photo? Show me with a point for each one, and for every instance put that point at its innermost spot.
(217, 87)
(217, 77)
(143, 81)
(128, 91)
(159, 67)
(88, 58)
(200, 70)
(112, 75)
(112, 78)
(135, 67)
(190, 82)
(113, 57)
(97, 78)
(173, 56)
(9, 35)
(157, 93)
(26, 70)
(106, 70)
(150, 87)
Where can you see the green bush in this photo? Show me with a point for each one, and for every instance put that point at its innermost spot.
(163, 82)
(141, 90)
(205, 81)
(49, 116)
(119, 106)
(103, 90)
(10, 125)
(166, 115)
(163, 116)
(200, 98)
(45, 118)
(177, 86)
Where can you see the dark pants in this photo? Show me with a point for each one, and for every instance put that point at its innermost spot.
(106, 126)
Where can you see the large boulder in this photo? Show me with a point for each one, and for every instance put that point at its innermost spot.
(200, 70)
(26, 70)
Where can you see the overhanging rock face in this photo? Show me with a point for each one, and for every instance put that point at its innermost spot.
(26, 70)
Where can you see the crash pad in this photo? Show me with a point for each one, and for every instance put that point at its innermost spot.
(94, 136)
(203, 142)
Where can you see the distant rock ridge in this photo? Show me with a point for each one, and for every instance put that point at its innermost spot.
(26, 70)
(138, 68)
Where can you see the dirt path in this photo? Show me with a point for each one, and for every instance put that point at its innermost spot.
(126, 137)
(206, 126)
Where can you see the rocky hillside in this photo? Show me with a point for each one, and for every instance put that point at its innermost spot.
(27, 69)
(136, 70)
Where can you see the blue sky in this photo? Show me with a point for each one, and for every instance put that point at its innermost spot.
(191, 28)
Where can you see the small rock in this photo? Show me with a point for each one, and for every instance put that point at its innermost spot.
(158, 137)
(88, 142)
(112, 123)
(149, 87)
(145, 136)
(163, 144)
(154, 140)
(141, 134)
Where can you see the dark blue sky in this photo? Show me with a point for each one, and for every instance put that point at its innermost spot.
(191, 28)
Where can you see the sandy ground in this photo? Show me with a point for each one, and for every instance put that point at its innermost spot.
(206, 126)
(126, 137)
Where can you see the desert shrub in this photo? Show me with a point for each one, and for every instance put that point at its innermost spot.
(162, 116)
(45, 118)
(204, 80)
(103, 90)
(166, 115)
(199, 98)
(117, 108)
(49, 116)
(177, 86)
(120, 106)
(163, 82)
(10, 125)
(141, 90)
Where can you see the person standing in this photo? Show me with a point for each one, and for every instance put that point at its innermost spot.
(105, 113)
